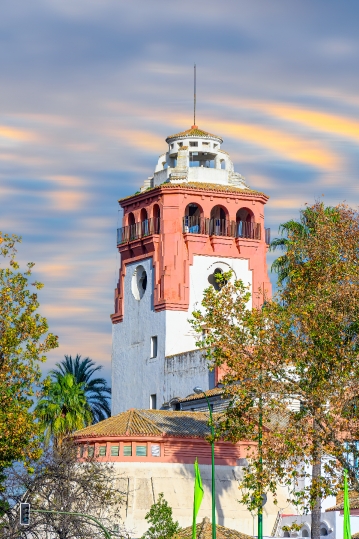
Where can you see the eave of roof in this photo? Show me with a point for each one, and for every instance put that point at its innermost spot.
(199, 186)
(199, 396)
(204, 531)
(150, 423)
(194, 131)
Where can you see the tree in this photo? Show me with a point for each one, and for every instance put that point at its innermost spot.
(160, 518)
(24, 342)
(300, 347)
(62, 408)
(58, 482)
(96, 390)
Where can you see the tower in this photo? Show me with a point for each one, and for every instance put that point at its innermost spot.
(194, 217)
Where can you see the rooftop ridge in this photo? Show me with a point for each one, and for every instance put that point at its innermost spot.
(194, 131)
(200, 186)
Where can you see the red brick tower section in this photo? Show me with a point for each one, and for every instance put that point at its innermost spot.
(175, 221)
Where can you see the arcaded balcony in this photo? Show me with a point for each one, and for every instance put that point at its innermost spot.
(223, 227)
(139, 230)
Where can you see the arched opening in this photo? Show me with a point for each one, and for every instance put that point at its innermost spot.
(131, 226)
(305, 532)
(286, 534)
(223, 164)
(156, 219)
(245, 225)
(192, 221)
(244, 214)
(323, 530)
(131, 219)
(213, 279)
(144, 222)
(219, 224)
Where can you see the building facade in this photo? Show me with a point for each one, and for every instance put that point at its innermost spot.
(193, 218)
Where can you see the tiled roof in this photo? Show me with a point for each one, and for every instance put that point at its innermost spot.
(204, 531)
(200, 186)
(353, 502)
(150, 423)
(193, 132)
(197, 396)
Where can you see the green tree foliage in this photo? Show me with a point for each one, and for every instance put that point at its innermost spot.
(162, 525)
(62, 408)
(96, 390)
(301, 347)
(24, 342)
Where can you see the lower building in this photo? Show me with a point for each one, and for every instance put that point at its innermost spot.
(153, 451)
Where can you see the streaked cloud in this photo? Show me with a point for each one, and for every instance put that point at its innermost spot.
(90, 90)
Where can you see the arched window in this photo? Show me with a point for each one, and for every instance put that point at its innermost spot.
(131, 219)
(144, 222)
(305, 532)
(132, 232)
(244, 214)
(245, 225)
(219, 224)
(223, 164)
(192, 221)
(156, 213)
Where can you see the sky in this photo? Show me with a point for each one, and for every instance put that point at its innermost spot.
(90, 89)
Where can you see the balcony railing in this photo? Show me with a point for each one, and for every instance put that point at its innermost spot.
(194, 225)
(138, 230)
(222, 227)
(251, 231)
(267, 233)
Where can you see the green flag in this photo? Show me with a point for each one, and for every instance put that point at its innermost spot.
(346, 523)
(198, 495)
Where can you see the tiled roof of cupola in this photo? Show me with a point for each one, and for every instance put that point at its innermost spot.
(150, 423)
(204, 531)
(193, 132)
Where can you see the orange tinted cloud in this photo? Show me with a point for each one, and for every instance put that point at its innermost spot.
(12, 133)
(282, 143)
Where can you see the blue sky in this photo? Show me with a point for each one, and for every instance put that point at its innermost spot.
(91, 88)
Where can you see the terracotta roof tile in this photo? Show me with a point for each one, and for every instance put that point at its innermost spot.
(204, 531)
(197, 396)
(200, 186)
(151, 423)
(193, 132)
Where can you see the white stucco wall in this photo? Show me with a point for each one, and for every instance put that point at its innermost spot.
(142, 483)
(135, 376)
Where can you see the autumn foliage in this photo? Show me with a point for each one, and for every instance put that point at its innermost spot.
(24, 341)
(294, 360)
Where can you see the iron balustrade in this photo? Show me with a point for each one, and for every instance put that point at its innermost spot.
(194, 225)
(138, 230)
(248, 230)
(223, 227)
(267, 233)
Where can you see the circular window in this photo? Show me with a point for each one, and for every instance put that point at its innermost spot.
(139, 282)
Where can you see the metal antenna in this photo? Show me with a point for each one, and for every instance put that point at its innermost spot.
(194, 105)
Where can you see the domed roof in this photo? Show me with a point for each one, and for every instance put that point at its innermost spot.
(194, 132)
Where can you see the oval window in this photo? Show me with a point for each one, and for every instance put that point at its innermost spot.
(139, 282)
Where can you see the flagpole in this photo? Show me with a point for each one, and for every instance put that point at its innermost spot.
(346, 509)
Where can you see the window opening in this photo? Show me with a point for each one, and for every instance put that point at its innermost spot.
(153, 402)
(193, 143)
(154, 346)
(127, 450)
(141, 450)
(139, 282)
(155, 450)
(91, 450)
(102, 451)
(115, 451)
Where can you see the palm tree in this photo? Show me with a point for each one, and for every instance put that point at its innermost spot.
(96, 390)
(292, 231)
(63, 408)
